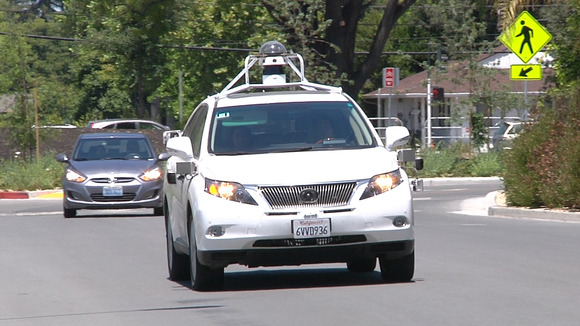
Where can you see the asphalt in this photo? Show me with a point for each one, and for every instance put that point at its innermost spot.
(493, 202)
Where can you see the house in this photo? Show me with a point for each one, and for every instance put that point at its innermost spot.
(489, 90)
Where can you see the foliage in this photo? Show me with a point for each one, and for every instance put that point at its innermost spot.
(478, 130)
(20, 174)
(543, 166)
(457, 161)
(330, 29)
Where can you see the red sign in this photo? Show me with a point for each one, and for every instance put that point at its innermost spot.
(389, 77)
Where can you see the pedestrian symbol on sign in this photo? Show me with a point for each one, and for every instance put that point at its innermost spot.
(527, 33)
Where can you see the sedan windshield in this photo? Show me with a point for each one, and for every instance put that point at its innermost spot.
(284, 127)
(112, 149)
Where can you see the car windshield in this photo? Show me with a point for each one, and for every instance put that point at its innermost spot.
(91, 149)
(284, 127)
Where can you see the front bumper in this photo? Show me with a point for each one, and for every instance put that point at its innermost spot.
(306, 255)
(134, 195)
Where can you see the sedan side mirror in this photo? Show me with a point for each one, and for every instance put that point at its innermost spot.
(62, 158)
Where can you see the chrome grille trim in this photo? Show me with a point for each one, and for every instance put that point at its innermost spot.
(117, 180)
(329, 195)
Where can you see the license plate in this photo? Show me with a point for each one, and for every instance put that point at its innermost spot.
(113, 191)
(311, 228)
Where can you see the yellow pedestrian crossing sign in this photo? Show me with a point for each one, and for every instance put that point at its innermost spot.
(525, 37)
(526, 72)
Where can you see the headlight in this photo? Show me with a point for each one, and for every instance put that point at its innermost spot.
(74, 176)
(229, 190)
(382, 183)
(151, 175)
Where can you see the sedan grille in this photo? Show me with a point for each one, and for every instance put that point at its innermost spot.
(126, 197)
(327, 195)
(117, 180)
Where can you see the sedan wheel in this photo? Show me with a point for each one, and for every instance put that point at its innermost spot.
(398, 270)
(203, 278)
(68, 213)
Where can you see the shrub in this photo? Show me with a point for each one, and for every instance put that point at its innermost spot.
(456, 160)
(21, 174)
(543, 167)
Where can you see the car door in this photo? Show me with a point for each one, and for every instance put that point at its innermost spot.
(194, 130)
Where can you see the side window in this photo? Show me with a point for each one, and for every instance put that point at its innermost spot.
(194, 128)
(126, 125)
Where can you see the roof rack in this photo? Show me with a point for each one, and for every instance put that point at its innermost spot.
(272, 58)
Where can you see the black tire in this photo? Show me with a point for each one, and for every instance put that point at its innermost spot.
(203, 278)
(68, 213)
(158, 211)
(178, 264)
(398, 270)
(362, 266)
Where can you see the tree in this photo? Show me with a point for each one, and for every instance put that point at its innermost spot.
(329, 30)
(123, 62)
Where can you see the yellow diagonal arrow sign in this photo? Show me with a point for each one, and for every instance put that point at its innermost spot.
(526, 72)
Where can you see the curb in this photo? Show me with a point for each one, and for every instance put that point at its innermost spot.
(39, 194)
(14, 195)
(534, 213)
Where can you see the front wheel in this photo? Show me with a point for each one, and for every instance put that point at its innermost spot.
(362, 266)
(158, 211)
(68, 213)
(177, 264)
(203, 278)
(398, 270)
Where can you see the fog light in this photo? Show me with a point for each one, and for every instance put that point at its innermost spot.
(400, 221)
(216, 231)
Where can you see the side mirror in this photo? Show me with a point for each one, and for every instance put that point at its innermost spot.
(180, 146)
(396, 136)
(170, 134)
(62, 158)
(163, 157)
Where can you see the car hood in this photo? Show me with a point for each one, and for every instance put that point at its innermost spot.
(117, 167)
(300, 167)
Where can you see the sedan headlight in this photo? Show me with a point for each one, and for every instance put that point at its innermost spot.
(382, 183)
(74, 176)
(229, 191)
(151, 175)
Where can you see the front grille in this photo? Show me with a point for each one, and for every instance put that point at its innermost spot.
(117, 180)
(277, 243)
(126, 197)
(327, 195)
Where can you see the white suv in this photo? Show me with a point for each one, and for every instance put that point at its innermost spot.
(285, 173)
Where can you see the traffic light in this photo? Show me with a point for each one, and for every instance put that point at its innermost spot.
(438, 94)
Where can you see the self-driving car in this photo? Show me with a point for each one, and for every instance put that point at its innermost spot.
(282, 171)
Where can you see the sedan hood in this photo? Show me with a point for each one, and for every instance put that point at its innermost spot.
(116, 167)
(324, 166)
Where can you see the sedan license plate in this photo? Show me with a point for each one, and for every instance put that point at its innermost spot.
(311, 228)
(111, 191)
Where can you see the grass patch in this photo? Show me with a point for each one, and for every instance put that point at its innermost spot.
(19, 174)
